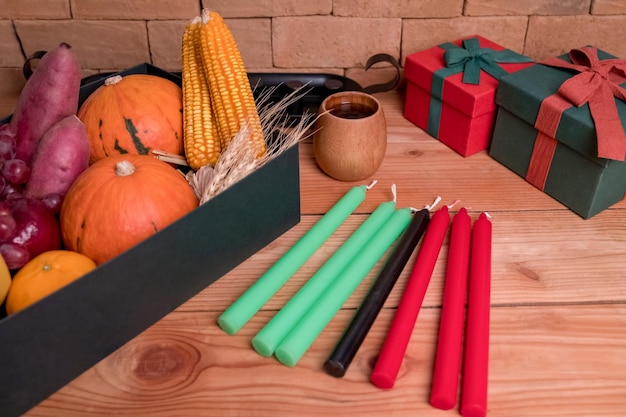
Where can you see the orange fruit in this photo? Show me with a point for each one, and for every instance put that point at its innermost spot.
(45, 274)
(5, 279)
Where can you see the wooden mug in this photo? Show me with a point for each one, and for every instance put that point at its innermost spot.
(350, 137)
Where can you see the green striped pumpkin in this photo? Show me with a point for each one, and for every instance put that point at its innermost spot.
(134, 114)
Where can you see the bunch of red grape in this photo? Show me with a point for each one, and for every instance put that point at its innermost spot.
(27, 225)
(14, 172)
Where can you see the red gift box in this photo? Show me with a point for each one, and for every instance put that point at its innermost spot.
(442, 99)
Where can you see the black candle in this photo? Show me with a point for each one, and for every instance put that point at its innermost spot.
(344, 352)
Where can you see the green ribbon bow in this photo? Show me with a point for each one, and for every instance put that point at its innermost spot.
(470, 60)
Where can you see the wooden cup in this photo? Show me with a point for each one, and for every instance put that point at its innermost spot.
(350, 137)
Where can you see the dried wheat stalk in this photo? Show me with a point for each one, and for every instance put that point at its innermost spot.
(238, 159)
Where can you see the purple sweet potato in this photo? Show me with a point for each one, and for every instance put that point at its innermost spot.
(62, 154)
(49, 95)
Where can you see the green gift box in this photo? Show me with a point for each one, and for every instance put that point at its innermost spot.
(560, 125)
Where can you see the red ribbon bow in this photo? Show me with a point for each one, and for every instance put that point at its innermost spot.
(597, 84)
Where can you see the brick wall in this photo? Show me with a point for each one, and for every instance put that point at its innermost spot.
(298, 35)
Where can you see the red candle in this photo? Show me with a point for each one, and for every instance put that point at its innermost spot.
(476, 359)
(448, 360)
(397, 340)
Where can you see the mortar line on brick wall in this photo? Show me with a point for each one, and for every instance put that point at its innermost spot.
(272, 41)
(401, 40)
(148, 42)
(526, 32)
(19, 41)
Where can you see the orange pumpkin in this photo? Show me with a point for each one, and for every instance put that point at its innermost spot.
(121, 200)
(134, 114)
(45, 274)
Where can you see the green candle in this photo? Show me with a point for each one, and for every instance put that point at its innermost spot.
(251, 301)
(319, 315)
(266, 341)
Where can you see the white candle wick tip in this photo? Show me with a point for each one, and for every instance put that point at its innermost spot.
(454, 204)
(430, 207)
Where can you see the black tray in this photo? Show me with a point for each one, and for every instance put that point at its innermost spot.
(315, 87)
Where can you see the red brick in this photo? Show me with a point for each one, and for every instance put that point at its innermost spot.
(269, 8)
(107, 45)
(325, 41)
(35, 9)
(420, 34)
(11, 83)
(253, 37)
(555, 35)
(527, 7)
(10, 53)
(165, 39)
(135, 10)
(308, 35)
(398, 8)
(608, 7)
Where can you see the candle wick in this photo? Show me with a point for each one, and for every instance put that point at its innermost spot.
(369, 187)
(393, 192)
(488, 215)
(432, 206)
(454, 204)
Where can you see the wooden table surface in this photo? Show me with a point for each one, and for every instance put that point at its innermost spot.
(558, 311)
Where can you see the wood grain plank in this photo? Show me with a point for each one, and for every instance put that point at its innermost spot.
(424, 170)
(545, 361)
(538, 257)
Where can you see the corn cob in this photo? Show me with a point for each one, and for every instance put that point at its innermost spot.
(201, 140)
(231, 95)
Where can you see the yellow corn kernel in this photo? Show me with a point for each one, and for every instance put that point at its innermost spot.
(201, 140)
(232, 99)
